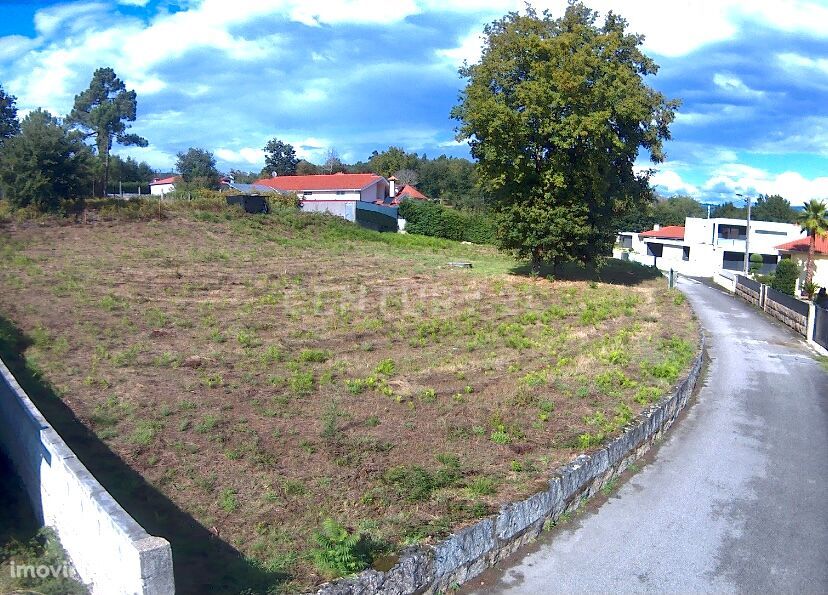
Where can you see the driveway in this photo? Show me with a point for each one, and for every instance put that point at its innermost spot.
(734, 500)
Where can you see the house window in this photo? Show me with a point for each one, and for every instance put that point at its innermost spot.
(340, 192)
(732, 232)
(308, 193)
(685, 253)
(733, 261)
(768, 232)
(625, 241)
(655, 249)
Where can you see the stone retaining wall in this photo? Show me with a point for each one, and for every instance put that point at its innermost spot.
(749, 295)
(472, 550)
(110, 551)
(786, 316)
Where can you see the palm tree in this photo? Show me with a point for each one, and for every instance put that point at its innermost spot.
(814, 221)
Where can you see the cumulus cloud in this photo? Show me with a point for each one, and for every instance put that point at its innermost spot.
(734, 178)
(359, 75)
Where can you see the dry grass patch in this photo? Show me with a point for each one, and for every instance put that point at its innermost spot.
(268, 373)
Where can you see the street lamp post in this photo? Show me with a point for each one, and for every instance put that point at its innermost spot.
(747, 233)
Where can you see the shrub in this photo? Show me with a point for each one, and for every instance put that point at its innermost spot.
(784, 279)
(755, 263)
(432, 219)
(338, 550)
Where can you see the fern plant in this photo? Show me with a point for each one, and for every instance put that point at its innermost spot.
(338, 550)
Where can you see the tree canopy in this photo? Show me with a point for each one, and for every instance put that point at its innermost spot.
(280, 158)
(9, 125)
(773, 208)
(728, 210)
(674, 210)
(555, 113)
(102, 111)
(44, 164)
(198, 168)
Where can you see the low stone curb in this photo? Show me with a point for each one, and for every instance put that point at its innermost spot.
(470, 551)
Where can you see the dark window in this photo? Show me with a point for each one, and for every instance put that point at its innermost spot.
(655, 249)
(733, 261)
(625, 241)
(340, 192)
(732, 232)
(685, 253)
(770, 233)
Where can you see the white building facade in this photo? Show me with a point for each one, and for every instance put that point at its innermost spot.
(703, 247)
(160, 187)
(337, 194)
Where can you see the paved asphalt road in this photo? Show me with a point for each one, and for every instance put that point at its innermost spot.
(735, 498)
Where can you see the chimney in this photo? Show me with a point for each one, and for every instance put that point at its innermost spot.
(656, 227)
(392, 186)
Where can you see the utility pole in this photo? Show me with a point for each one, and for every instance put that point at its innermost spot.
(747, 233)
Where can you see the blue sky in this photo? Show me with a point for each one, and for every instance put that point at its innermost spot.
(360, 75)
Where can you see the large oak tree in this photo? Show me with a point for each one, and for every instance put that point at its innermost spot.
(555, 112)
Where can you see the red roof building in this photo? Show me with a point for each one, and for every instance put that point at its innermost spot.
(409, 191)
(324, 182)
(803, 244)
(159, 181)
(670, 232)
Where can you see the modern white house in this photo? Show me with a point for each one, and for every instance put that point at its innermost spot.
(337, 194)
(162, 186)
(702, 247)
(797, 251)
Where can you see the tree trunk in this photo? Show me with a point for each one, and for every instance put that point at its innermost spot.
(106, 174)
(536, 261)
(809, 269)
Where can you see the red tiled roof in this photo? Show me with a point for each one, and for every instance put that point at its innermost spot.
(170, 180)
(670, 232)
(320, 182)
(801, 245)
(409, 191)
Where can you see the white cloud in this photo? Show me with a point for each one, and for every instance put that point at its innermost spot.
(247, 155)
(670, 182)
(734, 85)
(714, 114)
(729, 179)
(672, 28)
(805, 135)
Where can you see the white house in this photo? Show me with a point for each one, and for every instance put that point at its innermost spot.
(702, 247)
(335, 193)
(161, 186)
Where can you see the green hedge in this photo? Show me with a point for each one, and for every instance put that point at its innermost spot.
(432, 219)
(784, 279)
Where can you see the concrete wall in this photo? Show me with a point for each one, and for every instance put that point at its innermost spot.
(470, 551)
(342, 208)
(110, 551)
(161, 189)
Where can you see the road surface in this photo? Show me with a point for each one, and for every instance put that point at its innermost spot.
(735, 498)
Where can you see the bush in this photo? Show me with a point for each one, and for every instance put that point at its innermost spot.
(784, 279)
(432, 219)
(338, 550)
(755, 263)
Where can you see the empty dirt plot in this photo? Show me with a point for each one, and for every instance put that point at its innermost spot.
(237, 380)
